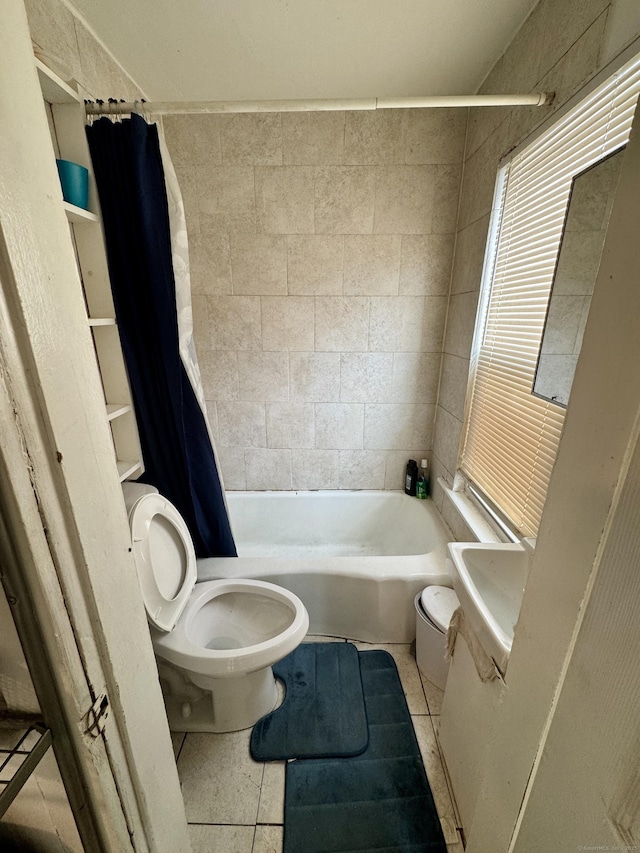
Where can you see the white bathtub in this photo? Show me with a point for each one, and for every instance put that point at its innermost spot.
(356, 559)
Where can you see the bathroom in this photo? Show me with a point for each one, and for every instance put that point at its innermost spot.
(559, 47)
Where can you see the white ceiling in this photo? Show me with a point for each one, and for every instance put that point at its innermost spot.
(263, 49)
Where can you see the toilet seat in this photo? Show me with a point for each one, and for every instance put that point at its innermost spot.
(165, 559)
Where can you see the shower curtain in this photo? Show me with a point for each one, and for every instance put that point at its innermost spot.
(176, 444)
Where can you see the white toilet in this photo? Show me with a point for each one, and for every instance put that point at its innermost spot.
(215, 642)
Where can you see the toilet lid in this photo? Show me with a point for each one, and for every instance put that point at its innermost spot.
(165, 559)
(439, 602)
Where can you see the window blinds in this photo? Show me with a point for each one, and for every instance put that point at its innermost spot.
(511, 436)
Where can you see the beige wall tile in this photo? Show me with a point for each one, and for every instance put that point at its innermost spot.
(290, 425)
(366, 377)
(314, 264)
(314, 469)
(234, 322)
(242, 424)
(407, 323)
(371, 265)
(313, 139)
(232, 467)
(210, 263)
(470, 250)
(285, 199)
(445, 200)
(425, 267)
(435, 136)
(376, 137)
(480, 176)
(193, 141)
(288, 323)
(405, 199)
(268, 469)
(314, 376)
(251, 139)
(564, 23)
(394, 426)
(362, 469)
(219, 370)
(226, 200)
(201, 328)
(258, 264)
(460, 324)
(453, 385)
(456, 524)
(344, 199)
(263, 376)
(415, 377)
(446, 444)
(342, 323)
(436, 470)
(339, 426)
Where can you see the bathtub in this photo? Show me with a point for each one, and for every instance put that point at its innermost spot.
(356, 559)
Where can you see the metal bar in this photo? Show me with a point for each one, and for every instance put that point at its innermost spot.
(113, 107)
(14, 785)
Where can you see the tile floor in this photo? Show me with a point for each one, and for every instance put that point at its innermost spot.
(236, 805)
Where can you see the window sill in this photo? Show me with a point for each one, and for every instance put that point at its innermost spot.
(471, 514)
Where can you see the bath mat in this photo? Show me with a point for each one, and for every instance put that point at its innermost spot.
(323, 713)
(377, 802)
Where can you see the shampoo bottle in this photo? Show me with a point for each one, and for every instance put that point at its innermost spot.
(411, 477)
(422, 485)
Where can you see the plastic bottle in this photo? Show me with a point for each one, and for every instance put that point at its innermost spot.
(422, 485)
(411, 477)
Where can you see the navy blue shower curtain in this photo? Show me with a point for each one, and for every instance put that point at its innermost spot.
(176, 447)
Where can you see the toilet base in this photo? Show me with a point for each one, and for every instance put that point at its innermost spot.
(224, 704)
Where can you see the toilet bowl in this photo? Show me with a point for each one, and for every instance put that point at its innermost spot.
(216, 641)
(434, 606)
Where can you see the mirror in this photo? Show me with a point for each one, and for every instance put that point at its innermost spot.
(585, 228)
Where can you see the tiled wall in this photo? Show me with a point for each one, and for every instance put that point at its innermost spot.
(558, 49)
(321, 248)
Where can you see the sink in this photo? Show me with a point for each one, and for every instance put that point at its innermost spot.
(489, 580)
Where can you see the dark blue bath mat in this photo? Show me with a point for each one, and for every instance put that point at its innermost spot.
(323, 713)
(378, 802)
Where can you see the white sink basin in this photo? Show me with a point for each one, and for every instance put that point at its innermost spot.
(489, 580)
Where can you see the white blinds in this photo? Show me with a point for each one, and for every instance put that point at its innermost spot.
(511, 436)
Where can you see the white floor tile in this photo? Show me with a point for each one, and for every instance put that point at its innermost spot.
(268, 839)
(435, 773)
(271, 807)
(408, 671)
(230, 839)
(220, 780)
(434, 695)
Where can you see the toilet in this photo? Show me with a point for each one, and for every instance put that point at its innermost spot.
(434, 608)
(216, 641)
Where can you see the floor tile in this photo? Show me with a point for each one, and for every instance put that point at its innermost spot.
(434, 695)
(220, 781)
(408, 671)
(271, 806)
(230, 839)
(268, 839)
(177, 739)
(319, 638)
(435, 773)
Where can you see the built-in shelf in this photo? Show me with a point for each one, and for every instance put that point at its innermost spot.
(19, 760)
(115, 411)
(126, 469)
(54, 89)
(102, 321)
(78, 215)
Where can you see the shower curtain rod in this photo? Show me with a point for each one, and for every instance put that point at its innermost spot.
(113, 107)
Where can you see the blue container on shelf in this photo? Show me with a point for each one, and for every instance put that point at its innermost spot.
(75, 183)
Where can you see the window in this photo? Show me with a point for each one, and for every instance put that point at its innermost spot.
(511, 436)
